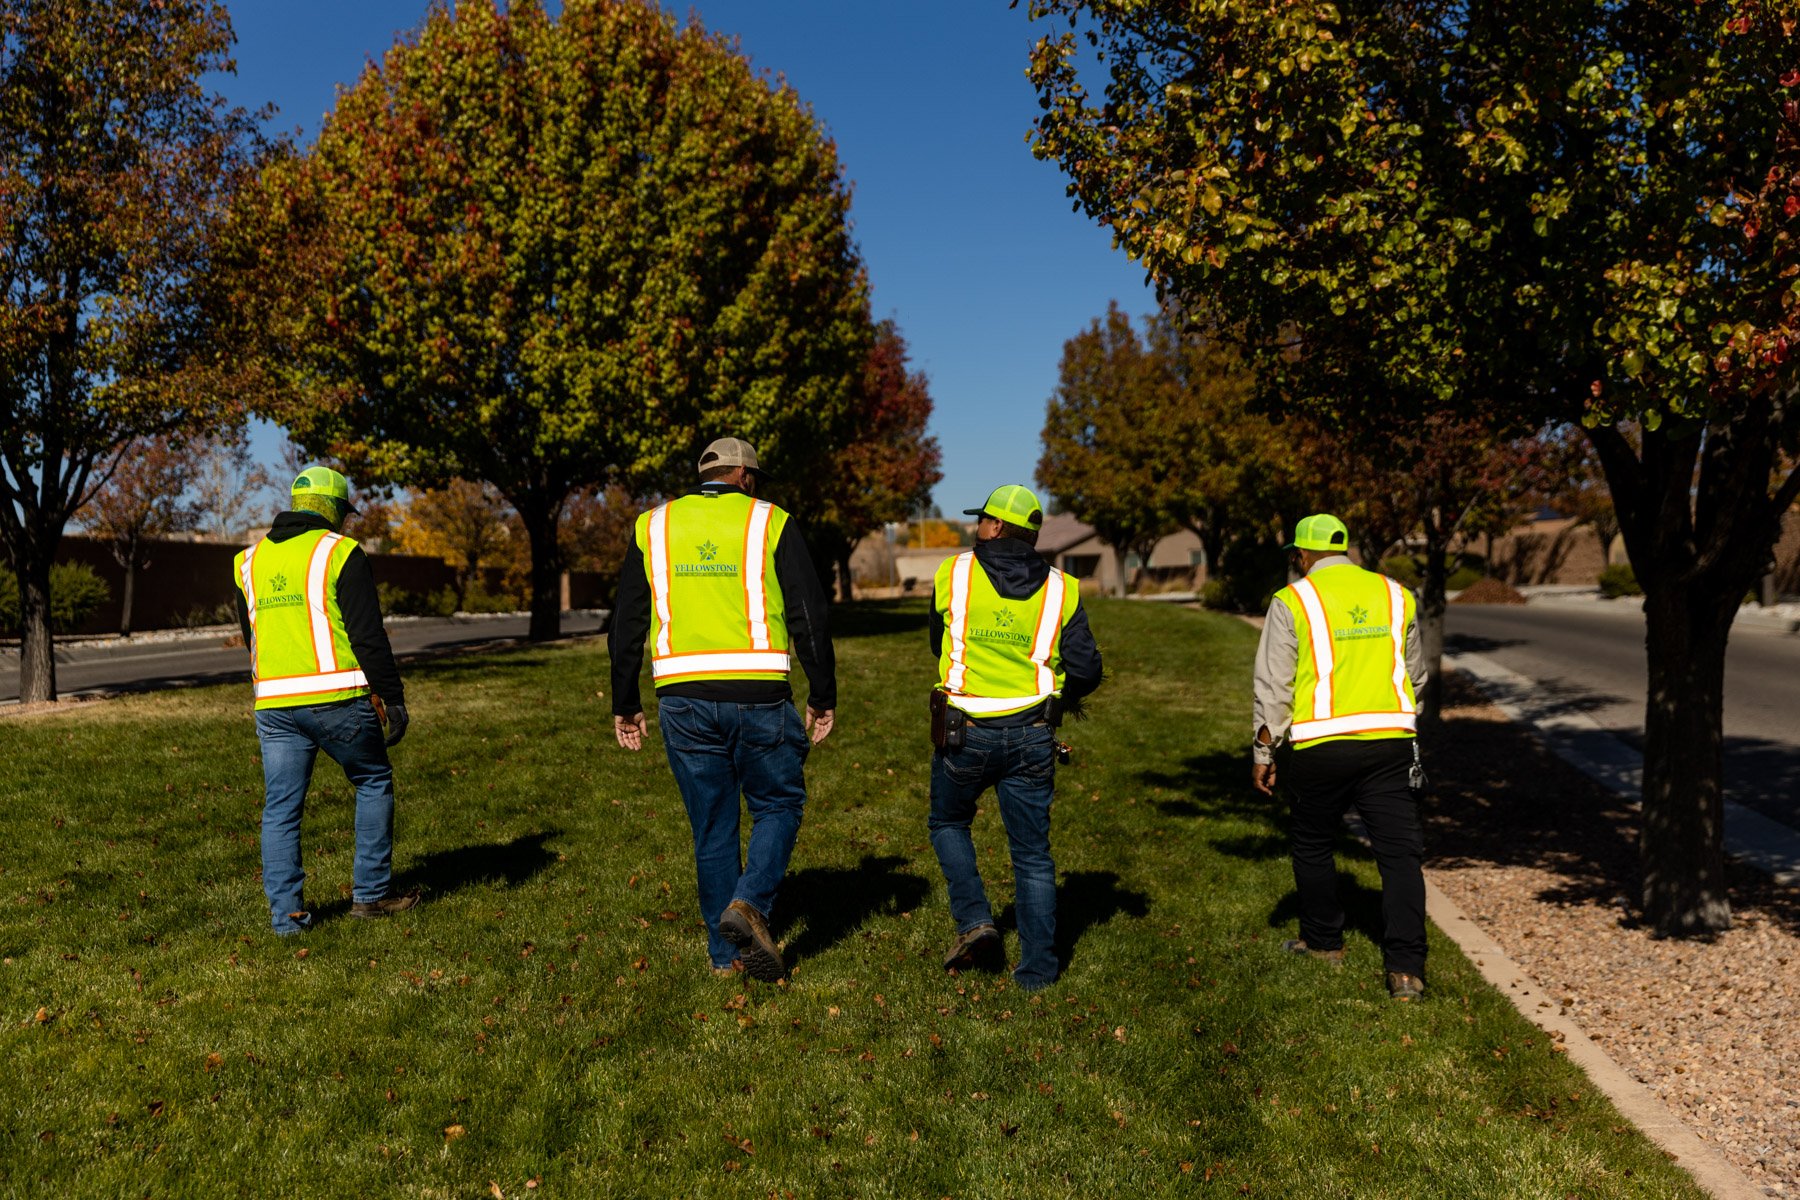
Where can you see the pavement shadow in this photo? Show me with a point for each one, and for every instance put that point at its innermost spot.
(876, 618)
(1475, 643)
(834, 902)
(1765, 776)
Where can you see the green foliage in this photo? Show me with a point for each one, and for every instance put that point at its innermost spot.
(549, 252)
(1617, 580)
(117, 164)
(550, 995)
(1462, 577)
(402, 602)
(1402, 569)
(480, 600)
(76, 593)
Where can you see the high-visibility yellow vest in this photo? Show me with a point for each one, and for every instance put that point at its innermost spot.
(1350, 680)
(716, 607)
(299, 651)
(1000, 656)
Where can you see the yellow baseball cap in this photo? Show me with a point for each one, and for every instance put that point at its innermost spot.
(317, 480)
(1321, 531)
(1013, 503)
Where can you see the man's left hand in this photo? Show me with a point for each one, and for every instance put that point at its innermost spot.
(1262, 778)
(819, 723)
(631, 730)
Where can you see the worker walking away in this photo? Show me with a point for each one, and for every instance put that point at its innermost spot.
(723, 587)
(324, 679)
(1014, 652)
(1338, 671)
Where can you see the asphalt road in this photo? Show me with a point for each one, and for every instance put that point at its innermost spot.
(142, 666)
(1591, 656)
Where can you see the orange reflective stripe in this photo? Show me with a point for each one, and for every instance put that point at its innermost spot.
(756, 546)
(959, 621)
(1319, 638)
(657, 534)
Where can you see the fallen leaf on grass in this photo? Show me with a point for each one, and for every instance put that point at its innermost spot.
(43, 1016)
(494, 1190)
(302, 953)
(452, 1132)
(155, 1107)
(214, 1061)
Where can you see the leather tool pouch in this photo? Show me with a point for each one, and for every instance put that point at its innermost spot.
(947, 723)
(1053, 712)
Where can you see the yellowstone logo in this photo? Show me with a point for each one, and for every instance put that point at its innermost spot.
(1360, 627)
(279, 596)
(706, 567)
(1002, 630)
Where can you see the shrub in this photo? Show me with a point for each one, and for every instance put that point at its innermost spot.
(202, 615)
(480, 600)
(1461, 578)
(1403, 569)
(1216, 594)
(399, 602)
(1619, 580)
(76, 593)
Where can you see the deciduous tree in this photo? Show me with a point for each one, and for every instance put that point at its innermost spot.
(145, 498)
(1528, 214)
(463, 523)
(554, 252)
(115, 162)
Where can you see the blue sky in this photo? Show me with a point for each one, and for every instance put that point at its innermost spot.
(970, 241)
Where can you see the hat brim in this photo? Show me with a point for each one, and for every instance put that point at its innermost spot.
(975, 512)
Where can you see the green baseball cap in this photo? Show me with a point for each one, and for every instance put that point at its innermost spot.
(1013, 504)
(323, 481)
(1321, 531)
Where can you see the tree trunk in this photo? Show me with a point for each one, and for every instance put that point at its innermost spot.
(126, 595)
(1432, 604)
(846, 579)
(1683, 839)
(37, 650)
(540, 519)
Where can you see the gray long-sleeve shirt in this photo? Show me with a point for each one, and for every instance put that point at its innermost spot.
(1278, 656)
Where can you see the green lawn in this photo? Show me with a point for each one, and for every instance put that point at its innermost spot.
(547, 1016)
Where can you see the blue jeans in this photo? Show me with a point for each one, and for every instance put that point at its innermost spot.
(291, 740)
(1020, 765)
(719, 750)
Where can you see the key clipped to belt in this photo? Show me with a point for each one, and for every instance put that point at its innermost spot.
(1415, 774)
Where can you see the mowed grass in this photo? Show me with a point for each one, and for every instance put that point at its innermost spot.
(546, 1016)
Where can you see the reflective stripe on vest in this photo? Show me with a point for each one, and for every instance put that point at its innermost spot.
(328, 674)
(1325, 721)
(1043, 643)
(758, 655)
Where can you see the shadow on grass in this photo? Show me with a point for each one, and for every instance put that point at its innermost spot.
(452, 668)
(877, 618)
(1362, 908)
(835, 901)
(504, 864)
(1084, 899)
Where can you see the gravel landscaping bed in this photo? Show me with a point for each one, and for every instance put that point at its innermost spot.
(1545, 860)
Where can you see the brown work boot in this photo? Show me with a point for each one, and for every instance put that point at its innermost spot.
(386, 907)
(736, 968)
(1402, 986)
(748, 930)
(976, 948)
(1297, 946)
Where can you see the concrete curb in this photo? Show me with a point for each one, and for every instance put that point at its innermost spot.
(1635, 1102)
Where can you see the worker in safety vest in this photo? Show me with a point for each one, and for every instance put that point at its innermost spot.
(1013, 650)
(325, 679)
(723, 588)
(1337, 672)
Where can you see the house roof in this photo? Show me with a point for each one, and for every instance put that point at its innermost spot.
(1059, 532)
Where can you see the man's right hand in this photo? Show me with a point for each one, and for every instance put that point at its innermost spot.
(819, 724)
(1262, 777)
(396, 722)
(631, 730)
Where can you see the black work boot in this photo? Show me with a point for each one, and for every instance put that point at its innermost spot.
(978, 948)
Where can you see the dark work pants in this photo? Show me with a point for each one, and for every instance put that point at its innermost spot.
(1322, 782)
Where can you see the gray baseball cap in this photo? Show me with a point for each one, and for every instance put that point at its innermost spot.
(729, 452)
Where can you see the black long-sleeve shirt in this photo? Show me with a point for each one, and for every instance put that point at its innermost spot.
(809, 634)
(359, 603)
(1017, 571)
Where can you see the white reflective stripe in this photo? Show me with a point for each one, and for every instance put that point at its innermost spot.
(1320, 633)
(977, 705)
(656, 533)
(1049, 624)
(1397, 627)
(324, 648)
(959, 621)
(722, 662)
(306, 685)
(1305, 731)
(756, 546)
(249, 584)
